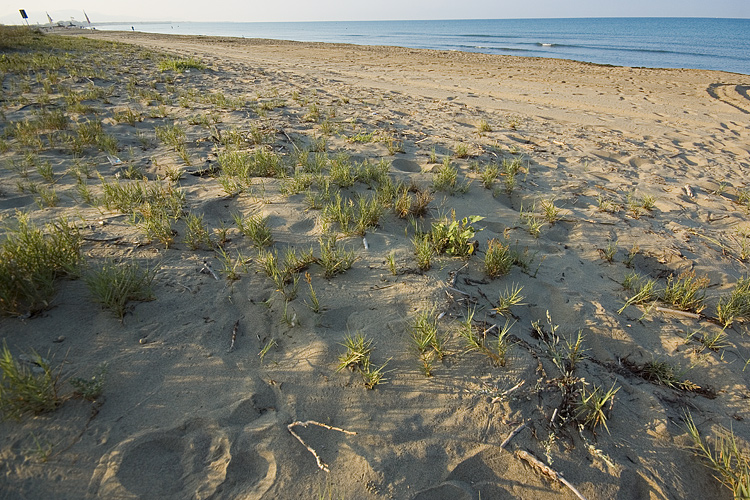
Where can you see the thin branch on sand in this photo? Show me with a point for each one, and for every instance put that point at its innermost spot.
(512, 435)
(234, 335)
(321, 464)
(207, 267)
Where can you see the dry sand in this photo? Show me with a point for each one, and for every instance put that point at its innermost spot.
(185, 417)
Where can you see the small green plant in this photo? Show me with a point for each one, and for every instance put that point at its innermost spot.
(644, 290)
(530, 220)
(426, 340)
(90, 388)
(181, 65)
(256, 228)
(498, 259)
(594, 406)
(114, 284)
(686, 292)
(24, 390)
(314, 304)
(357, 358)
(636, 205)
(724, 456)
(394, 146)
(391, 261)
(423, 250)
(483, 127)
(342, 172)
(156, 222)
(608, 252)
(461, 150)
(445, 178)
(550, 212)
(262, 354)
(605, 204)
(333, 258)
(31, 259)
(511, 297)
(632, 253)
(453, 236)
(736, 304)
(648, 202)
(477, 340)
(230, 267)
(489, 175)
(715, 341)
(196, 232)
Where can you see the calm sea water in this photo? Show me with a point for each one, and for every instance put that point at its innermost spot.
(722, 44)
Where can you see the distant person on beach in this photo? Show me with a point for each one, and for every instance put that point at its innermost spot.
(132, 28)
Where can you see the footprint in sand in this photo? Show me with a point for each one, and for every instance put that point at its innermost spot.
(202, 458)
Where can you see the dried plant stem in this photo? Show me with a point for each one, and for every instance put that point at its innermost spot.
(547, 471)
(320, 462)
(512, 435)
(234, 335)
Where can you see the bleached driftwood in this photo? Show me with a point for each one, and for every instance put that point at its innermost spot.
(679, 313)
(207, 267)
(320, 462)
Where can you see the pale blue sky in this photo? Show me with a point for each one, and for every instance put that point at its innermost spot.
(335, 10)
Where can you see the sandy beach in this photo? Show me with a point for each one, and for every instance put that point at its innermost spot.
(607, 177)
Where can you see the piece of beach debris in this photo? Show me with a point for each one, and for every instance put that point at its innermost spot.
(537, 464)
(512, 435)
(679, 313)
(502, 396)
(207, 269)
(234, 335)
(689, 191)
(113, 160)
(364, 244)
(320, 462)
(209, 169)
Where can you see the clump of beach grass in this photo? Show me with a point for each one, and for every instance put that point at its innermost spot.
(114, 284)
(357, 358)
(724, 456)
(333, 258)
(594, 406)
(445, 178)
(181, 65)
(31, 259)
(477, 340)
(686, 292)
(498, 259)
(256, 228)
(428, 343)
(736, 304)
(25, 390)
(509, 298)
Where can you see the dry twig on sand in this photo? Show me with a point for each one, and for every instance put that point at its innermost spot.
(512, 435)
(234, 335)
(290, 427)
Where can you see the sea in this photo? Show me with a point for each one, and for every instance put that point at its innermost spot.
(698, 43)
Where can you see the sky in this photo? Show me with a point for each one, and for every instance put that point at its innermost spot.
(340, 10)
